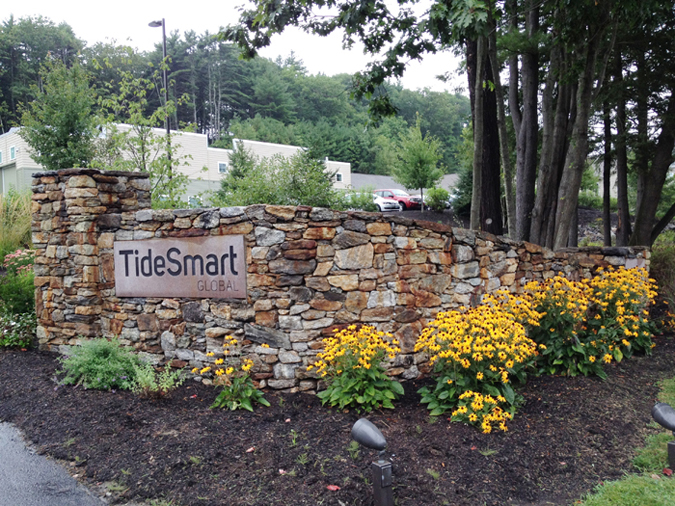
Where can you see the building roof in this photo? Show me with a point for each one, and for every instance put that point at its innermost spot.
(360, 181)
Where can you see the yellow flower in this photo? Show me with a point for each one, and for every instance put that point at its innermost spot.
(219, 361)
(210, 354)
(229, 370)
(219, 372)
(591, 359)
(479, 376)
(265, 345)
(205, 370)
(607, 358)
(473, 417)
(195, 370)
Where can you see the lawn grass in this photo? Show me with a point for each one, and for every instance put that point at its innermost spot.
(651, 488)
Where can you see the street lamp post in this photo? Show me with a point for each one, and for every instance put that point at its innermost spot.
(157, 24)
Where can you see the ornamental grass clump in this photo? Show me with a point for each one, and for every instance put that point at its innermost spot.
(17, 291)
(100, 364)
(562, 305)
(232, 374)
(351, 364)
(618, 313)
(477, 354)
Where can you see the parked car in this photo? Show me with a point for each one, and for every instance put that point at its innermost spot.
(405, 200)
(385, 204)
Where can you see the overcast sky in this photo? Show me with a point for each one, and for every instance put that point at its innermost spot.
(127, 21)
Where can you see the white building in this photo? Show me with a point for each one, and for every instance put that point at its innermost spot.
(205, 166)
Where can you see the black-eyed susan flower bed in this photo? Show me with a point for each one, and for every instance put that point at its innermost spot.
(568, 434)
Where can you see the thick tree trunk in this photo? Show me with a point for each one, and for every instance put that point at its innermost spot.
(477, 132)
(606, 178)
(547, 177)
(514, 104)
(503, 137)
(623, 229)
(526, 149)
(651, 181)
(575, 161)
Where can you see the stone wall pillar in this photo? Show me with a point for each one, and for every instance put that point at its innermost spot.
(73, 209)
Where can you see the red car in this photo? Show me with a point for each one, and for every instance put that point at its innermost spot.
(405, 201)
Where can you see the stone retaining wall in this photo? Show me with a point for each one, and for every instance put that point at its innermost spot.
(310, 270)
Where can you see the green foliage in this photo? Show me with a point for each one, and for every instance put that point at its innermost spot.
(634, 490)
(654, 456)
(461, 204)
(662, 266)
(15, 218)
(101, 364)
(148, 382)
(60, 125)
(361, 200)
(239, 393)
(418, 160)
(300, 180)
(352, 364)
(437, 198)
(145, 150)
(17, 330)
(17, 291)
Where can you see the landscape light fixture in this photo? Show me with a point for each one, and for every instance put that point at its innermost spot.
(664, 415)
(366, 434)
(157, 24)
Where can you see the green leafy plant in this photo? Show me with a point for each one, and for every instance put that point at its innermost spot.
(437, 199)
(351, 361)
(150, 383)
(17, 291)
(238, 390)
(17, 330)
(101, 364)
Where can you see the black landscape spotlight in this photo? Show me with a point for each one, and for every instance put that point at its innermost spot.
(664, 415)
(366, 434)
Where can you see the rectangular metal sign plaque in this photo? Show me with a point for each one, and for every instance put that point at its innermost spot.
(203, 267)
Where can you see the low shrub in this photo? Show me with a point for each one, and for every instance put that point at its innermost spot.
(476, 356)
(18, 330)
(437, 199)
(662, 266)
(351, 364)
(148, 382)
(101, 364)
(17, 290)
(232, 374)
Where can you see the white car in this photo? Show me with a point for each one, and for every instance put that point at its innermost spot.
(385, 204)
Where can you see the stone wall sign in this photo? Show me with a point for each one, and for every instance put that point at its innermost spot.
(202, 267)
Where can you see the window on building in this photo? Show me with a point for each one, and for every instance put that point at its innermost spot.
(12, 153)
(338, 177)
(0, 156)
(222, 167)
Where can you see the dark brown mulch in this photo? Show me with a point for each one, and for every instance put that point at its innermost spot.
(571, 434)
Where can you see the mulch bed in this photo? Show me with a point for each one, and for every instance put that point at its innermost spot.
(570, 435)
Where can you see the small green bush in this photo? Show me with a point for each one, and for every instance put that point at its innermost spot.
(15, 218)
(662, 266)
(438, 198)
(362, 200)
(17, 291)
(17, 330)
(100, 364)
(150, 383)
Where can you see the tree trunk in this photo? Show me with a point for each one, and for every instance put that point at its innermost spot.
(623, 229)
(575, 161)
(503, 136)
(477, 132)
(651, 181)
(490, 203)
(606, 178)
(526, 149)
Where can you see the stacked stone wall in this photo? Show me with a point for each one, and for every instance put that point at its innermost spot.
(310, 271)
